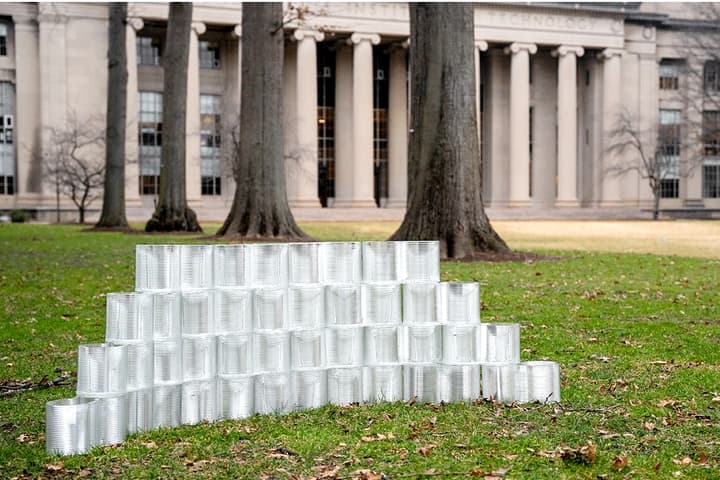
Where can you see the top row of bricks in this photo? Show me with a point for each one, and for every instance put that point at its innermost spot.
(174, 267)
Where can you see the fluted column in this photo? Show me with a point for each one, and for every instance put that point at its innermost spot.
(480, 46)
(567, 124)
(304, 164)
(397, 128)
(132, 147)
(520, 122)
(611, 107)
(362, 115)
(193, 182)
(343, 126)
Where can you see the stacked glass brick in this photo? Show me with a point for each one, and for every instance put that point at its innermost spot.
(226, 331)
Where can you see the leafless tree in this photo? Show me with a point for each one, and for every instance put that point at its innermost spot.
(74, 165)
(653, 153)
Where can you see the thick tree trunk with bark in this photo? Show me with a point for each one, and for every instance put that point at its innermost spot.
(113, 209)
(260, 208)
(172, 212)
(445, 198)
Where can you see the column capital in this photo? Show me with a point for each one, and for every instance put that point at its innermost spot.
(609, 53)
(563, 50)
(198, 27)
(357, 37)
(481, 45)
(516, 47)
(136, 23)
(302, 33)
(237, 31)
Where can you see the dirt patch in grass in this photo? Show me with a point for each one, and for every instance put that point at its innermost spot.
(501, 257)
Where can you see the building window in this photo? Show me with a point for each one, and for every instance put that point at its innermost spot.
(3, 40)
(326, 123)
(711, 178)
(381, 67)
(668, 155)
(711, 163)
(669, 75)
(712, 76)
(7, 138)
(209, 55)
(150, 140)
(210, 144)
(148, 51)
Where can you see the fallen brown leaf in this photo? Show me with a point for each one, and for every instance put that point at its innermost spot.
(149, 444)
(55, 467)
(665, 402)
(620, 462)
(684, 461)
(425, 451)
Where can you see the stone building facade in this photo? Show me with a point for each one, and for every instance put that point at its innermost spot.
(552, 79)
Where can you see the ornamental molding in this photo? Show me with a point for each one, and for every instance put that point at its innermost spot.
(563, 50)
(516, 47)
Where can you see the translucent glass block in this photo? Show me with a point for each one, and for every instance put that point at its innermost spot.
(232, 310)
(140, 404)
(422, 260)
(166, 315)
(273, 394)
(271, 351)
(168, 361)
(421, 383)
(459, 383)
(340, 262)
(69, 427)
(235, 396)
(230, 266)
(270, 308)
(499, 382)
(460, 343)
(199, 357)
(499, 342)
(344, 386)
(102, 369)
(460, 302)
(199, 402)
(268, 264)
(383, 384)
(196, 312)
(424, 343)
(307, 349)
(111, 426)
(342, 304)
(234, 354)
(196, 266)
(157, 267)
(166, 405)
(309, 388)
(383, 261)
(381, 303)
(344, 346)
(420, 303)
(306, 306)
(129, 316)
(140, 365)
(303, 264)
(543, 381)
(382, 345)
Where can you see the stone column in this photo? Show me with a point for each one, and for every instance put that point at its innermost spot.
(304, 161)
(193, 174)
(480, 46)
(611, 106)
(132, 147)
(567, 124)
(343, 126)
(27, 108)
(520, 122)
(362, 115)
(397, 128)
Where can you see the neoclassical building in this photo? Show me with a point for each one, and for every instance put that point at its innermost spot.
(551, 80)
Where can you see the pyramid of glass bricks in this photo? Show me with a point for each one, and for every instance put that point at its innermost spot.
(227, 331)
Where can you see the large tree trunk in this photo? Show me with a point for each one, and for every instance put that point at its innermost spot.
(113, 210)
(172, 212)
(260, 208)
(445, 199)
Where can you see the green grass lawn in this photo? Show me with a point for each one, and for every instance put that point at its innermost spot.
(637, 337)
